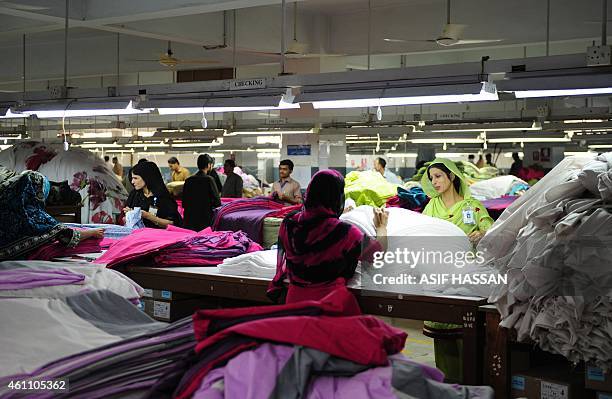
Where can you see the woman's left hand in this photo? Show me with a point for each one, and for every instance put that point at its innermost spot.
(475, 236)
(145, 215)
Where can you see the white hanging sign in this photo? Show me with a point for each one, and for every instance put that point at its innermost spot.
(245, 84)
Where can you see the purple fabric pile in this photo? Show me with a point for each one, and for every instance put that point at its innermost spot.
(19, 279)
(131, 365)
(246, 215)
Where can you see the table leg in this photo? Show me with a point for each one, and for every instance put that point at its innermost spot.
(497, 366)
(473, 347)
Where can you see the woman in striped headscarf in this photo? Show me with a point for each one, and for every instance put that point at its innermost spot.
(317, 251)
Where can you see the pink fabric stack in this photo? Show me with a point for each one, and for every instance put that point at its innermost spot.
(178, 247)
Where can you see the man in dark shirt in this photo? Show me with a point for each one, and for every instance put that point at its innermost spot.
(517, 165)
(200, 197)
(233, 184)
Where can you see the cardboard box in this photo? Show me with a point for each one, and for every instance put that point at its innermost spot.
(552, 382)
(166, 295)
(595, 378)
(170, 311)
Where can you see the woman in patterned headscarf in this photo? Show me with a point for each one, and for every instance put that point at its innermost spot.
(25, 223)
(317, 251)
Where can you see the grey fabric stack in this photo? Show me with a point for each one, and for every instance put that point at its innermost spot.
(555, 244)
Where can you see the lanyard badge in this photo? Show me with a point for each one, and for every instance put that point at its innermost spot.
(468, 216)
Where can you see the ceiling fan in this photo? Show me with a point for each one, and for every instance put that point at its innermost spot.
(169, 60)
(295, 48)
(451, 34)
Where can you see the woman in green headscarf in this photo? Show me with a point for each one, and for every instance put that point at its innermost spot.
(451, 199)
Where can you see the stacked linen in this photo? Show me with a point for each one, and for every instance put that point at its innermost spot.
(301, 350)
(497, 187)
(247, 215)
(56, 250)
(255, 264)
(440, 247)
(207, 249)
(177, 247)
(271, 227)
(112, 231)
(553, 242)
(41, 279)
(103, 345)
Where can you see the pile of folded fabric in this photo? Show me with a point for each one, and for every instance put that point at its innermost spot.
(368, 188)
(177, 247)
(247, 215)
(413, 199)
(271, 226)
(307, 349)
(553, 244)
(56, 250)
(43, 279)
(497, 187)
(254, 264)
(102, 344)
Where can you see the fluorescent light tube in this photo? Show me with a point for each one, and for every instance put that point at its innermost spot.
(562, 93)
(72, 113)
(268, 132)
(10, 114)
(531, 140)
(188, 145)
(141, 145)
(484, 95)
(447, 140)
(453, 154)
(98, 145)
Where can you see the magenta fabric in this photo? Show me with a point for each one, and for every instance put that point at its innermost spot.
(247, 215)
(176, 246)
(296, 293)
(497, 206)
(57, 250)
(180, 209)
(361, 339)
(19, 279)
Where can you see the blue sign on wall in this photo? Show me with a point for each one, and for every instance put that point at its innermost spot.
(298, 149)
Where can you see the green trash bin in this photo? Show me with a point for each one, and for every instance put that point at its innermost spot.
(448, 347)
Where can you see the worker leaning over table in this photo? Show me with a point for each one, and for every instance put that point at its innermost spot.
(451, 199)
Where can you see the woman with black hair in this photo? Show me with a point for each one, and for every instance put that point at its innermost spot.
(151, 195)
(451, 199)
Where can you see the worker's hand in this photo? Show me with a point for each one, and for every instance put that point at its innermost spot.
(475, 236)
(146, 215)
(381, 218)
(91, 233)
(348, 209)
(126, 209)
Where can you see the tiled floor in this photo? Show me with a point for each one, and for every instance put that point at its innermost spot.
(418, 347)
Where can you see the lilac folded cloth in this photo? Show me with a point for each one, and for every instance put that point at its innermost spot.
(19, 279)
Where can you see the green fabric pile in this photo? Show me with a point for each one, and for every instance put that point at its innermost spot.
(368, 188)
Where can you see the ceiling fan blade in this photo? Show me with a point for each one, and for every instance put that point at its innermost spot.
(409, 40)
(453, 31)
(478, 41)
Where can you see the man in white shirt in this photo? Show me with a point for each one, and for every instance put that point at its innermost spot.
(380, 165)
